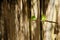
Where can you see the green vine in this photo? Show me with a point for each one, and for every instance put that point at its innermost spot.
(33, 18)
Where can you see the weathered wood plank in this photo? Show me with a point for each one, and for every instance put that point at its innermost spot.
(35, 24)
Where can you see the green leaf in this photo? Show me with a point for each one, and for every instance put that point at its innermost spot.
(43, 17)
(33, 18)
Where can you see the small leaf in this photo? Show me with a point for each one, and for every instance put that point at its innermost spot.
(43, 17)
(33, 18)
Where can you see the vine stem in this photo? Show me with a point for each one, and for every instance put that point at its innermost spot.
(49, 21)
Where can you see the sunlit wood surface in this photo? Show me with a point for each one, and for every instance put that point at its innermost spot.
(16, 22)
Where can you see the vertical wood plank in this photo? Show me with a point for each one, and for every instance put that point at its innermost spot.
(35, 24)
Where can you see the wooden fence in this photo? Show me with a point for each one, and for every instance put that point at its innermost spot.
(17, 23)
